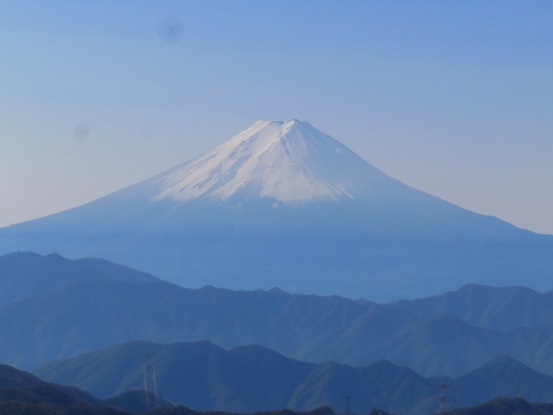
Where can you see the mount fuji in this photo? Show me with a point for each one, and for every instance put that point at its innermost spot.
(283, 204)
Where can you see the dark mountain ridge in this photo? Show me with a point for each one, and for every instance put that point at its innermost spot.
(506, 406)
(23, 394)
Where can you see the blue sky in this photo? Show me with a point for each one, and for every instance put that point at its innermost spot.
(451, 97)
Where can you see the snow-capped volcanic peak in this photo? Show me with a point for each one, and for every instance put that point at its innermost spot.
(288, 161)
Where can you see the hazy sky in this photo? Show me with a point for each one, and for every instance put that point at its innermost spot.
(452, 97)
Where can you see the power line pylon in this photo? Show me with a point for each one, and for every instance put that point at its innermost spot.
(150, 384)
(443, 398)
(347, 400)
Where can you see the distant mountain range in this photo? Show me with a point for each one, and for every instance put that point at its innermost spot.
(247, 379)
(499, 308)
(283, 204)
(85, 314)
(26, 274)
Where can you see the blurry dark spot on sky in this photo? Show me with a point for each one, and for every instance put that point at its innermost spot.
(170, 30)
(81, 131)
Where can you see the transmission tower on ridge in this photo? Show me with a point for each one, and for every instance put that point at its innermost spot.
(443, 398)
(347, 402)
(150, 385)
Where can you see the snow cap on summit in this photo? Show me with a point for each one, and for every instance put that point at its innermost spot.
(288, 161)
